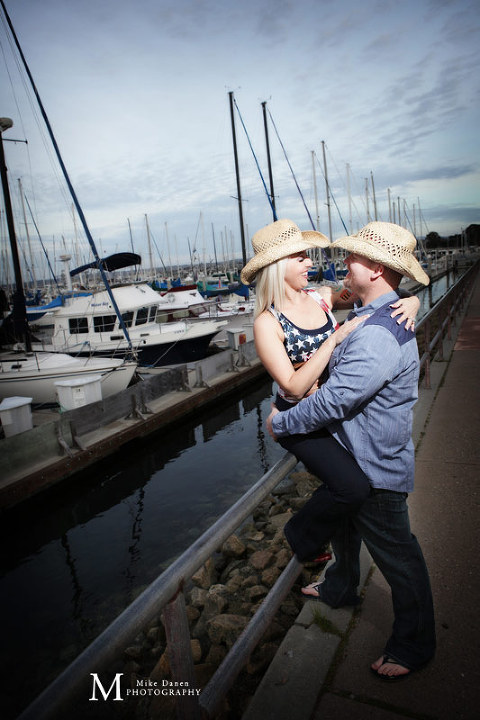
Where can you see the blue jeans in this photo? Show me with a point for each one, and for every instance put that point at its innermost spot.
(344, 488)
(383, 524)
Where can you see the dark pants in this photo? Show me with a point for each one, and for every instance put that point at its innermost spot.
(383, 524)
(345, 487)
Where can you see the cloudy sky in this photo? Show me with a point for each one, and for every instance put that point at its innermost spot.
(137, 92)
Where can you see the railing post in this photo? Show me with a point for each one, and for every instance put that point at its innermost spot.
(180, 656)
(427, 353)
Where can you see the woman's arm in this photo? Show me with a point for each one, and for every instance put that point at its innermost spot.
(339, 298)
(268, 336)
(406, 308)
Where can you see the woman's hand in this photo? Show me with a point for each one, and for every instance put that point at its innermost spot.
(347, 327)
(406, 310)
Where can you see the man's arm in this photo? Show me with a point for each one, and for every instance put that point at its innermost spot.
(365, 362)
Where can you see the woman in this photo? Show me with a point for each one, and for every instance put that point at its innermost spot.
(295, 333)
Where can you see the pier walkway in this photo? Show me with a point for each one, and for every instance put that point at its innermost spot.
(321, 670)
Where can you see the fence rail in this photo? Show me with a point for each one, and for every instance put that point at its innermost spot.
(166, 593)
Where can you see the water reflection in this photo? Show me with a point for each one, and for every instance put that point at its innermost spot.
(78, 555)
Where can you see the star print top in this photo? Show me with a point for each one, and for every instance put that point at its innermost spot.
(299, 343)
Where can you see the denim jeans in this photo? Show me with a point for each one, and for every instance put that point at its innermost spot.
(344, 488)
(383, 524)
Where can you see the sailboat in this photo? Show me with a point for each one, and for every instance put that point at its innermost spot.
(29, 373)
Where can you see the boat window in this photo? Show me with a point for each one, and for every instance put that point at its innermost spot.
(142, 316)
(128, 318)
(78, 325)
(153, 313)
(104, 323)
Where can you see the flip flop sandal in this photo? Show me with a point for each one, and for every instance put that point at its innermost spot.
(392, 678)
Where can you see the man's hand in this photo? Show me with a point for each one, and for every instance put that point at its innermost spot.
(269, 422)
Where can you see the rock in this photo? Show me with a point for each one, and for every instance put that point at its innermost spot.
(206, 575)
(233, 547)
(270, 575)
(215, 604)
(216, 655)
(278, 521)
(196, 650)
(234, 584)
(256, 592)
(198, 597)
(226, 628)
(283, 557)
(297, 503)
(286, 487)
(193, 613)
(153, 634)
(276, 510)
(249, 581)
(260, 559)
(306, 487)
(134, 652)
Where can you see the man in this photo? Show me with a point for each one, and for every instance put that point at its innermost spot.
(366, 404)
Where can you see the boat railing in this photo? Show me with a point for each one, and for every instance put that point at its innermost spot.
(167, 593)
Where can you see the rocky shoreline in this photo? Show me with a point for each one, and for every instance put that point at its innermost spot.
(223, 596)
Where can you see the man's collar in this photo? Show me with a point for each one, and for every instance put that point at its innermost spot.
(391, 296)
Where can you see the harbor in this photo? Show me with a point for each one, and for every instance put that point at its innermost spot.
(241, 365)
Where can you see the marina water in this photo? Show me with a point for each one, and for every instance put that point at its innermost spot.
(75, 557)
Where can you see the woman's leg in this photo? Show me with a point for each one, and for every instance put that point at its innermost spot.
(344, 488)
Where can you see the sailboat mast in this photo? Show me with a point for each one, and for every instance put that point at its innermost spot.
(315, 190)
(327, 187)
(168, 250)
(350, 224)
(150, 253)
(270, 175)
(68, 181)
(367, 201)
(19, 307)
(374, 198)
(32, 259)
(239, 192)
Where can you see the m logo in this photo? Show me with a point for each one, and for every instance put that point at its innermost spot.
(115, 685)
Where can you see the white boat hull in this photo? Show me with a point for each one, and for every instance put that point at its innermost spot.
(35, 374)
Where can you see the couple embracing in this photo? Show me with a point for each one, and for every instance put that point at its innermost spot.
(344, 408)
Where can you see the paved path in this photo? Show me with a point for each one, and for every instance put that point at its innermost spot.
(323, 674)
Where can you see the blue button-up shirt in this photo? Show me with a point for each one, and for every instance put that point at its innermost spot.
(367, 401)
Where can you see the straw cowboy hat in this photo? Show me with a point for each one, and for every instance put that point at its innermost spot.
(387, 244)
(276, 241)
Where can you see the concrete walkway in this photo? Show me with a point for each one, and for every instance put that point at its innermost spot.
(321, 670)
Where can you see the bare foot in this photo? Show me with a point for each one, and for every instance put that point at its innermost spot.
(386, 667)
(311, 590)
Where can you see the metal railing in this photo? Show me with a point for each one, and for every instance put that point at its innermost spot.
(436, 326)
(167, 593)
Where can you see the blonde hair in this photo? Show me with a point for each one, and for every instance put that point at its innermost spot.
(270, 286)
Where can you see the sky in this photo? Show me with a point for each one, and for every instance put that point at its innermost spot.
(380, 95)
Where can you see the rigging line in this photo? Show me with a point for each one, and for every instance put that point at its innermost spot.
(69, 184)
(256, 161)
(42, 244)
(333, 198)
(34, 111)
(291, 170)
